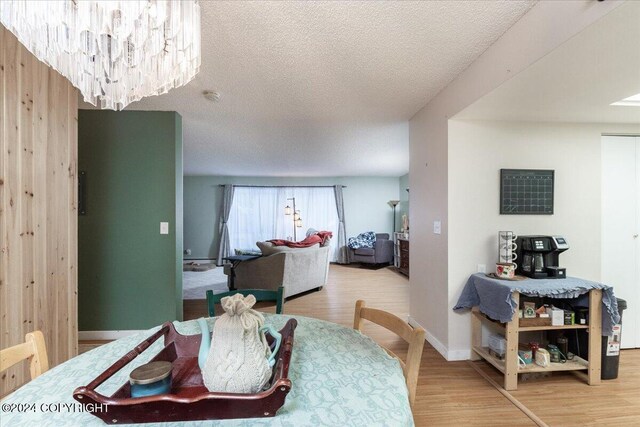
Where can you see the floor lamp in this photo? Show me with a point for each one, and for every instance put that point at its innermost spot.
(393, 204)
(297, 221)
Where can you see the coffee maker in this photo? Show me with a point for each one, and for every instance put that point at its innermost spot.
(539, 256)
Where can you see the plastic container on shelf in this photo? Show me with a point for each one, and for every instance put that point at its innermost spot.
(498, 345)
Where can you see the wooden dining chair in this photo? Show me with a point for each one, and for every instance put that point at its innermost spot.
(33, 349)
(260, 294)
(414, 336)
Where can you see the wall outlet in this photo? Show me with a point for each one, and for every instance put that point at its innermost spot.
(482, 268)
(437, 227)
(164, 228)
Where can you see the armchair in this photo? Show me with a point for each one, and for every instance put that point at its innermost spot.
(381, 253)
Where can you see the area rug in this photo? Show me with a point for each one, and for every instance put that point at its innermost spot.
(195, 284)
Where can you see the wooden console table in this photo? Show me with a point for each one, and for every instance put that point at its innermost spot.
(511, 330)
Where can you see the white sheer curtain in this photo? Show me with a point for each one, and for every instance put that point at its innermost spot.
(317, 206)
(257, 214)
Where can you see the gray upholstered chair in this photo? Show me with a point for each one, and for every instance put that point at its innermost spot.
(381, 253)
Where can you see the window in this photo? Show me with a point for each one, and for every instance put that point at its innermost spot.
(257, 214)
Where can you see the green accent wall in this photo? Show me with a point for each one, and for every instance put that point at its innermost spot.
(365, 204)
(179, 221)
(130, 275)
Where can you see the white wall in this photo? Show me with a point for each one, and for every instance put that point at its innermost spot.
(477, 152)
(541, 30)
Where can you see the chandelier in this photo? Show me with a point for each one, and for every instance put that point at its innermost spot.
(114, 52)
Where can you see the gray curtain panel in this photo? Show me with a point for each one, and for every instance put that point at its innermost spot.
(223, 246)
(343, 255)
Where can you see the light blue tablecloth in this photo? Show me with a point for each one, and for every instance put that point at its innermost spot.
(493, 296)
(340, 378)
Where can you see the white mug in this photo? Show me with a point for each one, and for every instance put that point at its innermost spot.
(505, 235)
(509, 246)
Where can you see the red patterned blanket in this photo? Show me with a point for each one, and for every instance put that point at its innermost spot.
(319, 237)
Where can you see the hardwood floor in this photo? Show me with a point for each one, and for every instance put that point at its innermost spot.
(452, 393)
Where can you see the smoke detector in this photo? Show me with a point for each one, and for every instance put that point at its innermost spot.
(212, 95)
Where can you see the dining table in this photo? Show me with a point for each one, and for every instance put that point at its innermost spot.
(339, 377)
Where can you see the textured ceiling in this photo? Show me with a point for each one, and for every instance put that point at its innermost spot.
(578, 81)
(323, 88)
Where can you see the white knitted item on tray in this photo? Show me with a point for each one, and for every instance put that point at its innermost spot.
(237, 361)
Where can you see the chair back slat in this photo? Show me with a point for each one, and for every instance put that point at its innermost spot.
(260, 294)
(414, 336)
(33, 349)
(389, 321)
(16, 354)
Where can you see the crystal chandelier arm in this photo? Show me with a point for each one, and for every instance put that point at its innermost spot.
(114, 52)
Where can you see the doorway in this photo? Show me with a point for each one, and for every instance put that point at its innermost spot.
(621, 226)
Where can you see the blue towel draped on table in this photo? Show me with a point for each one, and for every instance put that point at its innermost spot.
(493, 296)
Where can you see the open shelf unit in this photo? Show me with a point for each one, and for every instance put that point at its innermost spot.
(509, 366)
(530, 328)
(401, 252)
(576, 364)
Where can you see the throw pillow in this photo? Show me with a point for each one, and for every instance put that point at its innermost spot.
(362, 240)
(265, 247)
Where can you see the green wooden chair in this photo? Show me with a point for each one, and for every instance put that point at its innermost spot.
(260, 294)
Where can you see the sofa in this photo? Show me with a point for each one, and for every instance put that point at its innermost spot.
(381, 253)
(297, 269)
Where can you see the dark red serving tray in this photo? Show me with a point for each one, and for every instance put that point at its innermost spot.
(189, 399)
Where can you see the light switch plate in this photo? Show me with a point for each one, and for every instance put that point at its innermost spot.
(437, 227)
(482, 268)
(164, 228)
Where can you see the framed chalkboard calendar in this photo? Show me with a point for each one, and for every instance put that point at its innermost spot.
(526, 192)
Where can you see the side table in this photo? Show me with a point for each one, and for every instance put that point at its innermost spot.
(234, 260)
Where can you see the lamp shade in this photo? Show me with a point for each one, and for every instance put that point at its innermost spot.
(298, 222)
(287, 210)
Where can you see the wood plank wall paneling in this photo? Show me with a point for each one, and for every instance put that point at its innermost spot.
(38, 207)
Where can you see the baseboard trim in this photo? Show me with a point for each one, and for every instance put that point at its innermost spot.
(449, 355)
(105, 335)
(456, 355)
(431, 339)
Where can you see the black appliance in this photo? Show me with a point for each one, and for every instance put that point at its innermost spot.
(538, 256)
